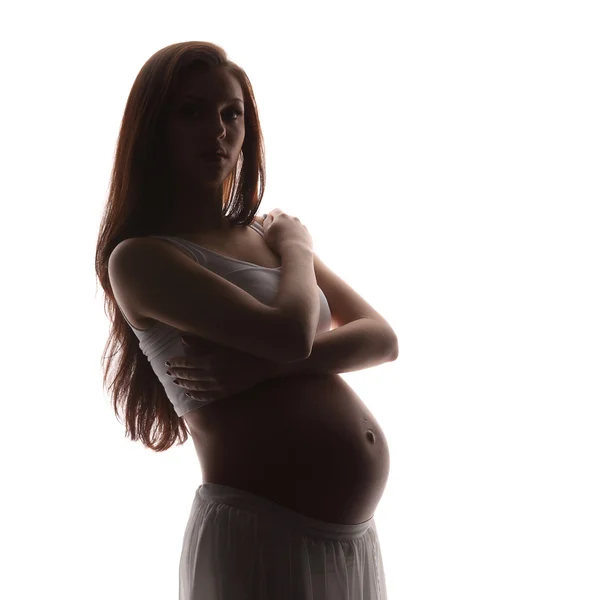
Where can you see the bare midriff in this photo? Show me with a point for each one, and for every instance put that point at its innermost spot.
(306, 441)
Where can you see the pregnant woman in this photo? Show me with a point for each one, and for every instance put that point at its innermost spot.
(293, 463)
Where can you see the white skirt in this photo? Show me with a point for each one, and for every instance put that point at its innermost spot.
(240, 546)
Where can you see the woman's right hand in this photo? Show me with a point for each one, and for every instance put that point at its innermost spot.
(280, 229)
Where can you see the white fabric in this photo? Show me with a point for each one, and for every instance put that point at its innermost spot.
(239, 546)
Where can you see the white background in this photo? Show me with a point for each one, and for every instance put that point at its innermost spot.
(444, 157)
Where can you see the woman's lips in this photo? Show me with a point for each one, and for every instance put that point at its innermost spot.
(214, 157)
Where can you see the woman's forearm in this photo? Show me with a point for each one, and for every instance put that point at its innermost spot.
(298, 294)
(358, 345)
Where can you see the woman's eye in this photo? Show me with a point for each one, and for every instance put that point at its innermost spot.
(192, 109)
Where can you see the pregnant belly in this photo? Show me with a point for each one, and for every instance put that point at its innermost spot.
(307, 442)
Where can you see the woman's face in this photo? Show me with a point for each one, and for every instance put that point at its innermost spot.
(207, 112)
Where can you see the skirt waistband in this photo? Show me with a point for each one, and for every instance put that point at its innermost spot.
(214, 492)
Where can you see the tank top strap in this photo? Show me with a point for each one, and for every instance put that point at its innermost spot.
(258, 227)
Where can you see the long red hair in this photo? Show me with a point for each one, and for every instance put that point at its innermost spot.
(136, 206)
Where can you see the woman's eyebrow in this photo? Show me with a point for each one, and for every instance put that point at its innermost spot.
(199, 99)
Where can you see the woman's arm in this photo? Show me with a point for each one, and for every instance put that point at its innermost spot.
(358, 345)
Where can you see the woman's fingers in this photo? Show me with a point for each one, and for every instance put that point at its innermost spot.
(205, 385)
(197, 378)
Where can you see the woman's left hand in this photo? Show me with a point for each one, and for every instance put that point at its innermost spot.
(209, 371)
